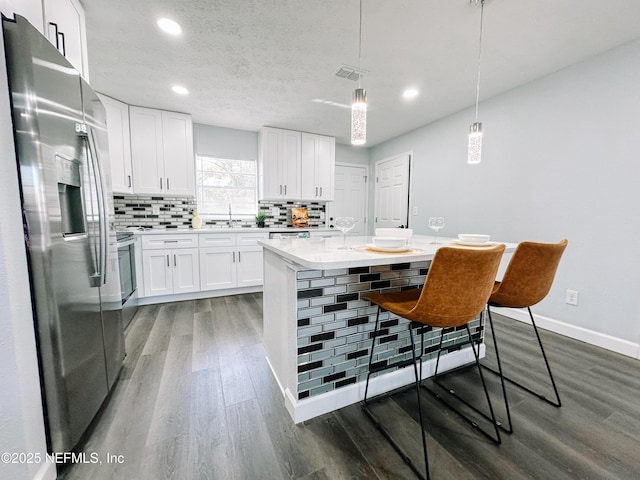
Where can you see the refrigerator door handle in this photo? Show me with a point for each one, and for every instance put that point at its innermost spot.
(56, 34)
(102, 205)
(64, 43)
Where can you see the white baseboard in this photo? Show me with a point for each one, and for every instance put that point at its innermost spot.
(305, 409)
(618, 345)
(179, 297)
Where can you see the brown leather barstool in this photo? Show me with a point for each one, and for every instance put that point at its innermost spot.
(526, 281)
(456, 290)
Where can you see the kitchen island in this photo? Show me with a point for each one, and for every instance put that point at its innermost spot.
(317, 328)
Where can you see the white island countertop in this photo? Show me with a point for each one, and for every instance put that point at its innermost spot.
(224, 229)
(325, 253)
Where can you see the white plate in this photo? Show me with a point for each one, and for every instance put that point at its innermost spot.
(404, 248)
(473, 244)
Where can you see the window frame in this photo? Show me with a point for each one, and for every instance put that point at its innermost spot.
(199, 188)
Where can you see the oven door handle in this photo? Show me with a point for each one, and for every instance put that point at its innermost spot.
(126, 243)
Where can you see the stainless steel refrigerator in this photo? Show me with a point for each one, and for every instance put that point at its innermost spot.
(62, 159)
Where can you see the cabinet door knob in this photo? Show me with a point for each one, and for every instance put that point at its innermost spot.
(168, 264)
(160, 183)
(320, 191)
(234, 257)
(167, 183)
(239, 258)
(129, 180)
(175, 263)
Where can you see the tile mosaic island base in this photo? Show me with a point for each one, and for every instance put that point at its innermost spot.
(318, 330)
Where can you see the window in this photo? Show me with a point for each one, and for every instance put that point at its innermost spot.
(222, 184)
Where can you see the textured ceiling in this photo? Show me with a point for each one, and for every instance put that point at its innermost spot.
(249, 63)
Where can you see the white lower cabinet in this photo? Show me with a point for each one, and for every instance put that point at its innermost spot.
(249, 267)
(200, 262)
(217, 268)
(234, 261)
(171, 271)
(168, 271)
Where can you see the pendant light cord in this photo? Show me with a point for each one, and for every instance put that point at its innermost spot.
(360, 47)
(479, 57)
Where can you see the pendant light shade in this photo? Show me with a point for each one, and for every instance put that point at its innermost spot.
(359, 103)
(475, 143)
(359, 117)
(474, 155)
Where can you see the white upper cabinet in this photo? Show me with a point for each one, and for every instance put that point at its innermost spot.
(65, 28)
(279, 163)
(161, 152)
(119, 144)
(318, 167)
(179, 162)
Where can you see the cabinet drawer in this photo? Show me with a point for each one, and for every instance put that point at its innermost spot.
(247, 239)
(169, 241)
(227, 239)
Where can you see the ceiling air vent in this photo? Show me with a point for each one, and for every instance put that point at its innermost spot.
(350, 73)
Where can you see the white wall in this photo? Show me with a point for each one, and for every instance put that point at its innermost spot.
(243, 145)
(21, 420)
(224, 142)
(560, 159)
(352, 155)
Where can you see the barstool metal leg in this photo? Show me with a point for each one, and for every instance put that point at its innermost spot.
(557, 402)
(376, 422)
(491, 417)
(508, 429)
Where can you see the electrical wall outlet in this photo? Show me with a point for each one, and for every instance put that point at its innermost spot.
(571, 297)
(155, 209)
(415, 210)
(275, 211)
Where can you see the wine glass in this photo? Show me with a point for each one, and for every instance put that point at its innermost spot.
(436, 224)
(345, 224)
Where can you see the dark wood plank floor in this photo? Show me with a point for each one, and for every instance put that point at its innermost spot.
(196, 400)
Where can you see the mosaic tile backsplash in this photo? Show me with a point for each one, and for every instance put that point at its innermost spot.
(335, 326)
(175, 212)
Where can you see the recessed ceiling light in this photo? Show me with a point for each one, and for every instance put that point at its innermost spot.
(410, 93)
(179, 90)
(169, 26)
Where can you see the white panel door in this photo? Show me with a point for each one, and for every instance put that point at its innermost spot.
(158, 279)
(119, 144)
(392, 192)
(179, 162)
(290, 163)
(325, 167)
(217, 268)
(65, 21)
(146, 150)
(350, 196)
(308, 181)
(186, 270)
(250, 268)
(270, 184)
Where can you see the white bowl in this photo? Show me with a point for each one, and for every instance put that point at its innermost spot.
(406, 233)
(389, 242)
(474, 237)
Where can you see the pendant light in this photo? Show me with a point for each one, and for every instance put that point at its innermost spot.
(359, 103)
(475, 130)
